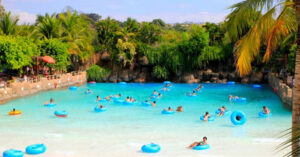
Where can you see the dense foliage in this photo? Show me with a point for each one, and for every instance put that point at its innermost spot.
(16, 52)
(72, 39)
(57, 50)
(96, 73)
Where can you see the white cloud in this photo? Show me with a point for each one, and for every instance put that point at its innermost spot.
(25, 17)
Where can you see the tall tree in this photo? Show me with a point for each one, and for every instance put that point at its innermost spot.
(48, 26)
(149, 33)
(106, 33)
(275, 21)
(131, 25)
(8, 23)
(77, 33)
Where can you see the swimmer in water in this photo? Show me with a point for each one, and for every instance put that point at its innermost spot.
(266, 110)
(179, 109)
(206, 116)
(201, 143)
(169, 109)
(222, 111)
(153, 104)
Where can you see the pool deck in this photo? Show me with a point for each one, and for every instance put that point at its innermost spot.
(25, 88)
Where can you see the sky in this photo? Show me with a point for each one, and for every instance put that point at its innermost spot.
(171, 11)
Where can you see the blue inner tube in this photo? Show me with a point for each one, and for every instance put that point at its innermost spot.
(122, 83)
(102, 100)
(239, 99)
(256, 86)
(231, 82)
(238, 118)
(210, 119)
(36, 149)
(13, 153)
(151, 148)
(118, 101)
(154, 94)
(202, 147)
(129, 103)
(167, 112)
(191, 95)
(115, 98)
(97, 109)
(263, 115)
(61, 113)
(87, 92)
(50, 105)
(164, 91)
(167, 82)
(225, 113)
(73, 88)
(146, 103)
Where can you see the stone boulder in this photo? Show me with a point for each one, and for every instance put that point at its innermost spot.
(124, 76)
(199, 74)
(207, 74)
(256, 77)
(141, 78)
(113, 77)
(245, 80)
(214, 79)
(231, 76)
(144, 60)
(188, 78)
(105, 56)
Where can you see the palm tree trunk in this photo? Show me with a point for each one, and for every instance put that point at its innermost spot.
(296, 89)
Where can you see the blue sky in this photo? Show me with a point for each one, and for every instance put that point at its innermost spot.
(171, 11)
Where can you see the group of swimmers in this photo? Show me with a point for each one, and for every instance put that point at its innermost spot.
(130, 99)
(155, 94)
(194, 91)
(179, 109)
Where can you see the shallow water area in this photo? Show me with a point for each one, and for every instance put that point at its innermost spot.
(122, 130)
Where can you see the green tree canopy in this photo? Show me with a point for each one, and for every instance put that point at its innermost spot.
(16, 52)
(57, 50)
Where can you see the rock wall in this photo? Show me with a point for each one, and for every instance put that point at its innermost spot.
(207, 76)
(20, 89)
(284, 92)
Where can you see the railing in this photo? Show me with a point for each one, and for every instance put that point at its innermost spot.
(7, 84)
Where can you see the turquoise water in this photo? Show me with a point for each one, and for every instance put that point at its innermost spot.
(124, 129)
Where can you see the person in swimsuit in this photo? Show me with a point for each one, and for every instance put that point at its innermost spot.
(201, 143)
(153, 103)
(179, 109)
(169, 109)
(51, 102)
(266, 110)
(127, 99)
(222, 111)
(98, 98)
(206, 116)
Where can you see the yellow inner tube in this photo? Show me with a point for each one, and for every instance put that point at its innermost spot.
(17, 112)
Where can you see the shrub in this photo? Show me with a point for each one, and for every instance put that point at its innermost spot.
(16, 52)
(96, 73)
(160, 72)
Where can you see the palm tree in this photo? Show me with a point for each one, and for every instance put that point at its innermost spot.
(77, 33)
(8, 23)
(274, 21)
(48, 26)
